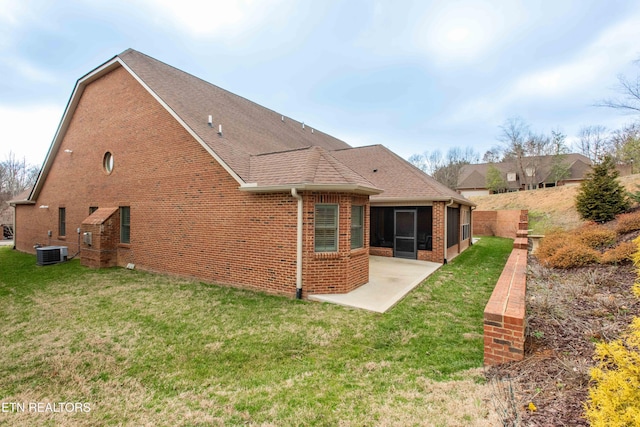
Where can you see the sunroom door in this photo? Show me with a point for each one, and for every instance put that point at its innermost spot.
(405, 233)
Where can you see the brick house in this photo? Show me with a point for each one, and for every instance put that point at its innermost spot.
(154, 167)
(527, 174)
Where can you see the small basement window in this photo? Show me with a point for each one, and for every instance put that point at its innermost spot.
(107, 162)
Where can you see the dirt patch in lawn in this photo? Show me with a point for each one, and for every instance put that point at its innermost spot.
(568, 311)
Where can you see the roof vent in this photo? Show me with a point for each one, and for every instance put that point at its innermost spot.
(283, 118)
(220, 130)
(302, 125)
(210, 121)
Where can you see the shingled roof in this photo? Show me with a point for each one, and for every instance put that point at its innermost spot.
(402, 182)
(474, 176)
(262, 149)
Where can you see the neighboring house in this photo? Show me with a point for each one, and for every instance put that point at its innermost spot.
(535, 172)
(154, 167)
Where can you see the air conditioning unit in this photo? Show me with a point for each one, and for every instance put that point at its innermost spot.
(47, 255)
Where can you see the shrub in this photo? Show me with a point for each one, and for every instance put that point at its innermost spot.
(572, 255)
(596, 237)
(550, 245)
(601, 196)
(628, 222)
(621, 253)
(614, 399)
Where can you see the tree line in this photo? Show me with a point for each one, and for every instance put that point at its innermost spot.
(16, 176)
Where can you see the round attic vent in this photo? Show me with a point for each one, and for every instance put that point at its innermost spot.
(107, 162)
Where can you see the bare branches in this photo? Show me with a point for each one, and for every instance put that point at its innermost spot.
(445, 169)
(15, 177)
(593, 142)
(629, 89)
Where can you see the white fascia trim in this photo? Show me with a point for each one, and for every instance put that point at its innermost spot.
(409, 201)
(22, 202)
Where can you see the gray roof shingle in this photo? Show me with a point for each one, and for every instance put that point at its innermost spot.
(261, 148)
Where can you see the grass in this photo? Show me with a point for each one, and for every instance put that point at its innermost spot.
(549, 208)
(146, 349)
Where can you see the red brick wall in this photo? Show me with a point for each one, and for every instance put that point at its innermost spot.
(504, 315)
(341, 271)
(102, 252)
(187, 216)
(503, 223)
(388, 252)
(438, 242)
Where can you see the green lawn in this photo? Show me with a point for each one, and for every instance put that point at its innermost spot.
(144, 349)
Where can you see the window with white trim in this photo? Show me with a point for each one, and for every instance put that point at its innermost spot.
(357, 226)
(466, 220)
(326, 228)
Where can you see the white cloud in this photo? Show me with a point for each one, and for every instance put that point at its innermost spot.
(28, 70)
(462, 31)
(11, 11)
(28, 131)
(615, 48)
(589, 74)
(214, 18)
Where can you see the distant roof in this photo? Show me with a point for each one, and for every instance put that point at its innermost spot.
(262, 149)
(474, 176)
(21, 198)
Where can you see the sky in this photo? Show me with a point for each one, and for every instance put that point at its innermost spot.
(414, 76)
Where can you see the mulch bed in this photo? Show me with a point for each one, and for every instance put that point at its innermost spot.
(568, 311)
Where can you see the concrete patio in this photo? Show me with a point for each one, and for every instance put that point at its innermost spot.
(390, 279)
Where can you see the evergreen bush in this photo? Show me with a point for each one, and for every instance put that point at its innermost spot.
(601, 197)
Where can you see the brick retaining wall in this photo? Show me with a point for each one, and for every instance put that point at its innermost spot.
(502, 223)
(504, 314)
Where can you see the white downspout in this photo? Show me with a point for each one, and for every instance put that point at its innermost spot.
(446, 228)
(298, 197)
(471, 209)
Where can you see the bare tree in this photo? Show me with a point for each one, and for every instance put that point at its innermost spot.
(428, 162)
(629, 89)
(16, 176)
(593, 142)
(418, 161)
(625, 143)
(559, 167)
(445, 168)
(514, 133)
(524, 148)
(493, 155)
